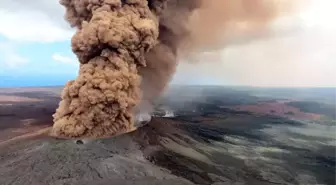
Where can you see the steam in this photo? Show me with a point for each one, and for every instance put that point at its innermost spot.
(129, 49)
(169, 114)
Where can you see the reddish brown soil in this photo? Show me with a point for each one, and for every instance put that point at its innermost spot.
(26, 112)
(279, 108)
(9, 98)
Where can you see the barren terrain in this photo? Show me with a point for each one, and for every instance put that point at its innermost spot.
(222, 136)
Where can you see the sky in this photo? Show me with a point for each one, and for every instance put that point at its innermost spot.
(35, 50)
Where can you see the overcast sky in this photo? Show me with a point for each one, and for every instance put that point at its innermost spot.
(35, 50)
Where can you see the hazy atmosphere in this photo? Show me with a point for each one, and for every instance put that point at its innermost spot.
(297, 50)
(171, 92)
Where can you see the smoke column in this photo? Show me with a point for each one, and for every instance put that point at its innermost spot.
(129, 49)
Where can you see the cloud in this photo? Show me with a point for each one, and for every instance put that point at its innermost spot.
(298, 51)
(33, 21)
(320, 13)
(300, 60)
(64, 59)
(9, 58)
(14, 60)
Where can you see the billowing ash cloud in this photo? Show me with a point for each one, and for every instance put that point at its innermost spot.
(129, 49)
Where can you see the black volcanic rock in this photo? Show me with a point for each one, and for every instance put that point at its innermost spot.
(206, 142)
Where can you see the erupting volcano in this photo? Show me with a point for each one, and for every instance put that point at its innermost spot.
(129, 50)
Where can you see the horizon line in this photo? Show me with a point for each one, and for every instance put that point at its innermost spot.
(217, 85)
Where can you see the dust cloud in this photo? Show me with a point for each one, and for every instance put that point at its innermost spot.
(129, 49)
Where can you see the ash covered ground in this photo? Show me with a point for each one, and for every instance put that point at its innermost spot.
(198, 135)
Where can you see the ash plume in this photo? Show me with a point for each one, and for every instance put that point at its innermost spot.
(129, 50)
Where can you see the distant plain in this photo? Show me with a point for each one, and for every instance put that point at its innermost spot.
(215, 135)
